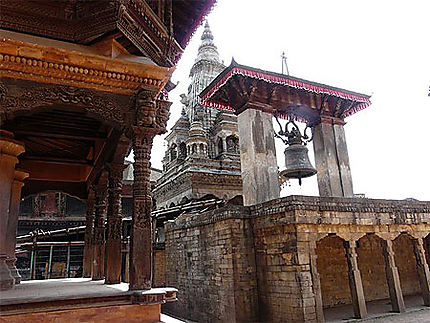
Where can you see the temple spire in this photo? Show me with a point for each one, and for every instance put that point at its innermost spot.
(207, 49)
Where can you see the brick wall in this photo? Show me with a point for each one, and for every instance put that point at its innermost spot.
(159, 268)
(284, 279)
(212, 266)
(406, 265)
(258, 263)
(333, 271)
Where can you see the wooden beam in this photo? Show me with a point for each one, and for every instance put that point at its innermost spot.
(56, 135)
(56, 171)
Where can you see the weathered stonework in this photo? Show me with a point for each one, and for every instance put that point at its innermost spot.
(285, 260)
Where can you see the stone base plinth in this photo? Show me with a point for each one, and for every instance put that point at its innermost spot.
(81, 300)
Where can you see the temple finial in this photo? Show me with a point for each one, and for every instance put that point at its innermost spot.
(207, 33)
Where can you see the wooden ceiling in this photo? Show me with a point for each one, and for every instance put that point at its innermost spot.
(64, 149)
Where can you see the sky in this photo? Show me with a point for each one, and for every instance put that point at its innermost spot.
(381, 48)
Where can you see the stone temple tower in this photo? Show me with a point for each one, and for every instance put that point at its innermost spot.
(206, 67)
(202, 159)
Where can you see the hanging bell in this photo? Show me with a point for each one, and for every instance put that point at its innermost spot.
(297, 163)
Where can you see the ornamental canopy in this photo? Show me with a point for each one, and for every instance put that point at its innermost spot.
(241, 87)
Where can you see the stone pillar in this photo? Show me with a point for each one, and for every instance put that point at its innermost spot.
(316, 282)
(98, 266)
(89, 232)
(258, 157)
(423, 270)
(9, 150)
(331, 159)
(393, 280)
(113, 241)
(224, 144)
(140, 261)
(12, 223)
(355, 283)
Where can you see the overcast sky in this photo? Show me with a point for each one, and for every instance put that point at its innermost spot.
(380, 48)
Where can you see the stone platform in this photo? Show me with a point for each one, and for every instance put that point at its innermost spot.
(81, 300)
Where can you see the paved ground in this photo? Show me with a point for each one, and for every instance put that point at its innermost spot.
(419, 316)
(413, 316)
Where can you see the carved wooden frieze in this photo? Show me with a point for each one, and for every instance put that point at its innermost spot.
(30, 97)
(84, 21)
(70, 67)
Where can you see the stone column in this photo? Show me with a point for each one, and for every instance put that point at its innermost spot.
(355, 283)
(393, 280)
(113, 241)
(423, 270)
(9, 150)
(89, 232)
(224, 144)
(331, 159)
(12, 223)
(98, 266)
(316, 282)
(141, 236)
(258, 157)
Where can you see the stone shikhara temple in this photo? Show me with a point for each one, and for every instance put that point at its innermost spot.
(202, 157)
(83, 83)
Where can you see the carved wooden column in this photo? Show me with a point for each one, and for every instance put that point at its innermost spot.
(150, 119)
(141, 236)
(12, 223)
(113, 241)
(355, 283)
(423, 270)
(9, 150)
(98, 265)
(89, 232)
(393, 280)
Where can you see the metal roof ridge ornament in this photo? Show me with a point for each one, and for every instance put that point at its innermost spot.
(297, 163)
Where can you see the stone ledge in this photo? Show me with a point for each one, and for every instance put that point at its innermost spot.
(317, 210)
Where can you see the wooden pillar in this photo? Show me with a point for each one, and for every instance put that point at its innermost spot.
(89, 232)
(423, 270)
(393, 280)
(113, 241)
(355, 283)
(141, 237)
(98, 265)
(9, 150)
(12, 223)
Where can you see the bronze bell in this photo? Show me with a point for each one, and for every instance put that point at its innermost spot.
(297, 161)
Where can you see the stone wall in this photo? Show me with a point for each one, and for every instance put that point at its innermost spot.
(214, 267)
(284, 260)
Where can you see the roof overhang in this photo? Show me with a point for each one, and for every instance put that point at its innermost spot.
(241, 87)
